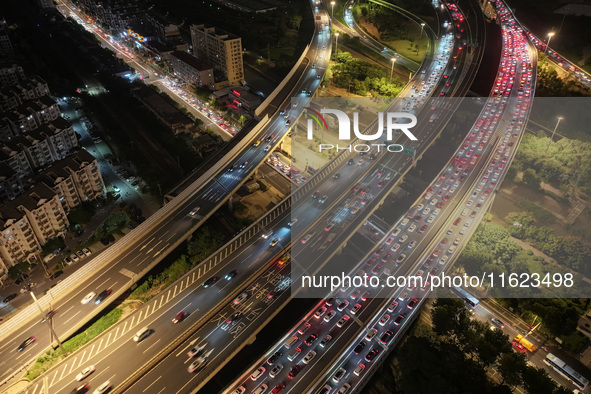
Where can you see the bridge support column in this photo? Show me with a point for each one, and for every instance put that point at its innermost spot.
(231, 203)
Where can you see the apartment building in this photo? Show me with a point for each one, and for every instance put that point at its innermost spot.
(6, 49)
(61, 136)
(16, 94)
(191, 70)
(221, 50)
(32, 113)
(29, 221)
(11, 184)
(15, 157)
(75, 179)
(11, 74)
(115, 14)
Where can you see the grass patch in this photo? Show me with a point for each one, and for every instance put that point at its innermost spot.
(45, 362)
(540, 214)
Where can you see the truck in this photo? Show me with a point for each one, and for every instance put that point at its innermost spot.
(520, 339)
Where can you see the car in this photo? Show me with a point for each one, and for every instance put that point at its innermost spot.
(142, 334)
(359, 348)
(258, 373)
(320, 312)
(86, 372)
(276, 370)
(422, 229)
(311, 354)
(310, 340)
(386, 337)
(103, 388)
(231, 274)
(401, 258)
(497, 322)
(74, 257)
(399, 319)
(56, 275)
(392, 306)
(196, 350)
(241, 297)
(323, 199)
(243, 165)
(343, 320)
(211, 281)
(88, 298)
(329, 227)
(294, 371)
(25, 343)
(306, 238)
(87, 252)
(274, 242)
(372, 353)
(102, 295)
(325, 340)
(241, 390)
(197, 364)
(329, 316)
(339, 374)
(359, 370)
(179, 317)
(278, 388)
(80, 389)
(412, 303)
(343, 305)
(292, 222)
(384, 319)
(355, 309)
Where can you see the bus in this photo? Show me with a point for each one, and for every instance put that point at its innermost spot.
(570, 374)
(467, 297)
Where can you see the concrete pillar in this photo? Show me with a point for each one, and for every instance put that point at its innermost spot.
(231, 203)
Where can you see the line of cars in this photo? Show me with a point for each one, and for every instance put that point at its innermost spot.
(481, 192)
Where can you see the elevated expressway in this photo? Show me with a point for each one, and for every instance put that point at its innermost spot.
(501, 124)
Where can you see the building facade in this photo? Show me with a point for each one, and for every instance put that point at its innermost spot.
(221, 50)
(191, 70)
(75, 179)
(29, 221)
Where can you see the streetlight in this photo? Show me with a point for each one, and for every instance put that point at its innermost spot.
(336, 46)
(422, 27)
(332, 3)
(550, 35)
(392, 69)
(559, 118)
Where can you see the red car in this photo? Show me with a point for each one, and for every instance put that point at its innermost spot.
(179, 317)
(278, 388)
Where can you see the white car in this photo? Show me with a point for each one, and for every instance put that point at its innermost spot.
(200, 362)
(86, 251)
(85, 373)
(196, 350)
(258, 373)
(275, 371)
(309, 356)
(241, 297)
(88, 298)
(372, 333)
(103, 388)
(193, 213)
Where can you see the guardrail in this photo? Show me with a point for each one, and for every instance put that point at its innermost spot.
(101, 262)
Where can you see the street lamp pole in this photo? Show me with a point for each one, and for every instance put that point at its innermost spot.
(559, 118)
(550, 35)
(332, 3)
(392, 69)
(422, 27)
(336, 46)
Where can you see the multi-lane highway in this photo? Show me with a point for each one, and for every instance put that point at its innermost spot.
(473, 174)
(148, 244)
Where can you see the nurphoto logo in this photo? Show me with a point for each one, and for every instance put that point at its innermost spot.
(389, 123)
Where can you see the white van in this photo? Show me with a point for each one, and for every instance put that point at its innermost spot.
(141, 334)
(290, 342)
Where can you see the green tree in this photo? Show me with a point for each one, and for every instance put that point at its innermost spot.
(52, 245)
(510, 366)
(531, 178)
